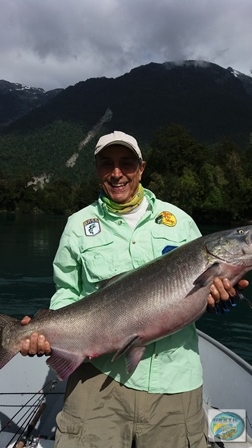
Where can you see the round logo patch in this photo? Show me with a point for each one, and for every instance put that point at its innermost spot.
(227, 426)
(166, 218)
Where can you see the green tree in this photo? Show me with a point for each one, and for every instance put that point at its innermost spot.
(214, 199)
(187, 191)
(157, 184)
(174, 149)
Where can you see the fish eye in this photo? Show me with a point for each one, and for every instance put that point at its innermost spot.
(240, 231)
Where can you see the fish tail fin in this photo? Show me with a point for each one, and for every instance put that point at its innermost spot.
(5, 354)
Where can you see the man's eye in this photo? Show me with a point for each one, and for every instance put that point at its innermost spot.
(106, 163)
(128, 163)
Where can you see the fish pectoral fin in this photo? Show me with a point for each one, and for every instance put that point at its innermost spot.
(133, 357)
(125, 347)
(64, 363)
(207, 276)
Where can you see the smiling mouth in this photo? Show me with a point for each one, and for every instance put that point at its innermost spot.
(118, 185)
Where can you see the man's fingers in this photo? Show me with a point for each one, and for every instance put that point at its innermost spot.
(33, 350)
(41, 343)
(43, 346)
(25, 320)
(210, 300)
(36, 345)
(243, 283)
(214, 292)
(221, 289)
(25, 347)
(47, 348)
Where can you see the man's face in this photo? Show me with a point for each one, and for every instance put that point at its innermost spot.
(120, 172)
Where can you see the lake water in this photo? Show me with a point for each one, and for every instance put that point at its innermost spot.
(28, 244)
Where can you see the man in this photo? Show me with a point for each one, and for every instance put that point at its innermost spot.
(160, 403)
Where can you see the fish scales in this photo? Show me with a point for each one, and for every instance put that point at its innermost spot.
(137, 308)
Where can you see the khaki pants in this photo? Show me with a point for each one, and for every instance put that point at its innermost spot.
(101, 413)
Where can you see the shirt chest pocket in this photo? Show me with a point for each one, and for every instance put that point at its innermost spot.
(164, 241)
(102, 260)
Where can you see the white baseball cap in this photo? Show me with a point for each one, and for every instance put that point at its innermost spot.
(118, 138)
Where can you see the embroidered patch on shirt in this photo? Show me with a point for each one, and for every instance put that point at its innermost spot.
(166, 218)
(92, 227)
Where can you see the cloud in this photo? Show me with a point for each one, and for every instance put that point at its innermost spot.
(53, 44)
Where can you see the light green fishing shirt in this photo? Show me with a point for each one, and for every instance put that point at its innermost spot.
(97, 245)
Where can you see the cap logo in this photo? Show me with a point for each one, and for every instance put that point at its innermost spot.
(91, 227)
(166, 218)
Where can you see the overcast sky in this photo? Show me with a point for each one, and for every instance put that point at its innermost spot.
(57, 43)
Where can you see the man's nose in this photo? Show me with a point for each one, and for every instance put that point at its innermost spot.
(116, 171)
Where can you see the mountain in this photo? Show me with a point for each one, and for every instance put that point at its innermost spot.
(246, 80)
(211, 102)
(17, 100)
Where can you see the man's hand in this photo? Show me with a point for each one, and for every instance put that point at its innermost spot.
(36, 345)
(221, 289)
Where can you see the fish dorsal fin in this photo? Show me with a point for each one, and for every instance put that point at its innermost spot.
(207, 276)
(64, 363)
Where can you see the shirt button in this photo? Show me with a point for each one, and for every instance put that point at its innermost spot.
(133, 242)
(156, 355)
(120, 222)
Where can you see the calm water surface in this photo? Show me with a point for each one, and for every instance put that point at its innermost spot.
(28, 245)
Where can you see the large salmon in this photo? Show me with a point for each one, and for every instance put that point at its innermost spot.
(142, 306)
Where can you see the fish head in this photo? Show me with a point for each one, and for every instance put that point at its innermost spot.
(231, 246)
